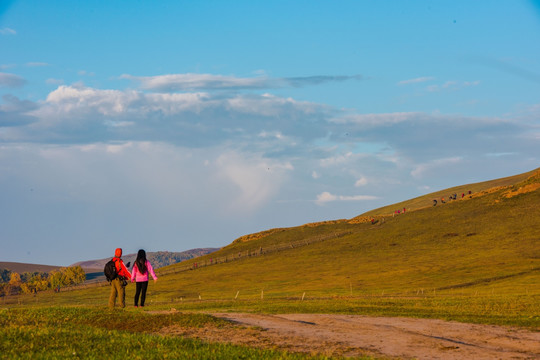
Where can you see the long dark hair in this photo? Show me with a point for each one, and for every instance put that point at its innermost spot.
(141, 261)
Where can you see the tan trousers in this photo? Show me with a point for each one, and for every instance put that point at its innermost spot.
(117, 289)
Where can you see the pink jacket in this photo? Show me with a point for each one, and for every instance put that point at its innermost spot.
(137, 276)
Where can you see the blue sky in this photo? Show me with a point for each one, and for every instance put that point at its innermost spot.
(173, 125)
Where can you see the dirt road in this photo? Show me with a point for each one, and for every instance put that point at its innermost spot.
(352, 335)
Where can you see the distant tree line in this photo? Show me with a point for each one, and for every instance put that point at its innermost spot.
(13, 283)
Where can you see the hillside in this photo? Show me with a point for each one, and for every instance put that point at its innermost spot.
(24, 267)
(489, 238)
(475, 188)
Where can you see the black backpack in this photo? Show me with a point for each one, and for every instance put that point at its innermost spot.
(110, 271)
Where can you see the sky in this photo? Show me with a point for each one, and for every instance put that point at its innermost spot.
(175, 125)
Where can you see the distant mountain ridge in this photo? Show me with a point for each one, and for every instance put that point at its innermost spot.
(158, 258)
(25, 267)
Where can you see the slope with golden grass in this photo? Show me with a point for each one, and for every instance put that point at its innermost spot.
(476, 188)
(484, 240)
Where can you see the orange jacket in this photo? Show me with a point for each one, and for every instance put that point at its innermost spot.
(121, 268)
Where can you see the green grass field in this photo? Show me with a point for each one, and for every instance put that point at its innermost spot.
(97, 333)
(472, 260)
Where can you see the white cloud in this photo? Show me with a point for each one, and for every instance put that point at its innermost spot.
(191, 82)
(502, 154)
(422, 169)
(183, 82)
(190, 119)
(254, 177)
(37, 64)
(272, 135)
(452, 85)
(7, 31)
(119, 124)
(471, 83)
(358, 198)
(416, 80)
(341, 159)
(372, 120)
(118, 148)
(420, 137)
(363, 181)
(159, 175)
(86, 73)
(449, 84)
(325, 197)
(337, 159)
(68, 100)
(82, 100)
(52, 81)
(268, 105)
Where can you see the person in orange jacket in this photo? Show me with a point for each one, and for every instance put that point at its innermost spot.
(118, 285)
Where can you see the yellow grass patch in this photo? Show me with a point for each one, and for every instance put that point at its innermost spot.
(257, 236)
(522, 190)
(320, 223)
(263, 234)
(361, 220)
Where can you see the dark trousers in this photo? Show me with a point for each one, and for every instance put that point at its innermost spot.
(140, 290)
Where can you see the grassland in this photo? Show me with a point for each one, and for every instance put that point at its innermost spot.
(96, 333)
(475, 259)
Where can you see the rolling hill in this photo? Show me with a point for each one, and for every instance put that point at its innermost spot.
(477, 189)
(490, 238)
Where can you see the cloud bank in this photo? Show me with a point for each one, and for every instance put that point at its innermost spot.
(261, 123)
(196, 82)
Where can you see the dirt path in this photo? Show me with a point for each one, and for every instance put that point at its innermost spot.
(353, 335)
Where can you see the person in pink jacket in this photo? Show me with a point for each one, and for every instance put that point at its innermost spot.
(139, 274)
